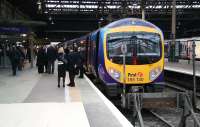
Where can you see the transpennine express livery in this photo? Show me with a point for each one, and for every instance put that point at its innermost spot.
(134, 42)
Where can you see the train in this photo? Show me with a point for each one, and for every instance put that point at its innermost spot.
(184, 48)
(124, 54)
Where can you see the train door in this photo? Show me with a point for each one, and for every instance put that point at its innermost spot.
(96, 52)
(89, 52)
(86, 51)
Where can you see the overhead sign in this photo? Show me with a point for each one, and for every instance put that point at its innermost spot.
(13, 30)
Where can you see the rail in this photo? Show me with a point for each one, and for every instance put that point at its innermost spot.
(137, 101)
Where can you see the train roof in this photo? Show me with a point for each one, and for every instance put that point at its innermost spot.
(122, 22)
(131, 22)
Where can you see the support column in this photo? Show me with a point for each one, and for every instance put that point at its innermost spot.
(109, 18)
(194, 74)
(143, 9)
(143, 14)
(173, 34)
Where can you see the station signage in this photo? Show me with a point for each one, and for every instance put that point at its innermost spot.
(13, 29)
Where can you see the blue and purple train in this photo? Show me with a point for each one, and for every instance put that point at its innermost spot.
(139, 42)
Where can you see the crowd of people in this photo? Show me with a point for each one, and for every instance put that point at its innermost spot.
(17, 55)
(69, 59)
(46, 57)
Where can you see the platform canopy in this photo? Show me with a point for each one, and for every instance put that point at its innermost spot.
(78, 17)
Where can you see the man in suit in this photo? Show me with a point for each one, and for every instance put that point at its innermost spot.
(51, 57)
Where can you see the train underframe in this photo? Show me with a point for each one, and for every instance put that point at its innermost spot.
(117, 89)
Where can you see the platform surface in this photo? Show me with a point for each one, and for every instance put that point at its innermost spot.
(182, 67)
(34, 100)
(43, 115)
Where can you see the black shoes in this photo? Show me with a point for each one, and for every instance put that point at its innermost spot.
(59, 86)
(71, 85)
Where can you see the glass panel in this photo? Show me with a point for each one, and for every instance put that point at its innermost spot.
(142, 47)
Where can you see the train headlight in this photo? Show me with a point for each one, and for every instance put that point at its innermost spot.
(114, 73)
(154, 73)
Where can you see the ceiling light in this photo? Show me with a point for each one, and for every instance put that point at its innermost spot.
(101, 19)
(23, 35)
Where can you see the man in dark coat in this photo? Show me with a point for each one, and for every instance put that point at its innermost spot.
(72, 63)
(80, 60)
(45, 59)
(51, 57)
(22, 57)
(14, 56)
(40, 60)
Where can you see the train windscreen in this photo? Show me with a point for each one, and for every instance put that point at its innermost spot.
(141, 47)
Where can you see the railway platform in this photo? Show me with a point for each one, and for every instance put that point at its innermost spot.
(184, 79)
(34, 100)
(183, 66)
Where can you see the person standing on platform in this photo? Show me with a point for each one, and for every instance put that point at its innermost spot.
(40, 60)
(51, 57)
(71, 58)
(45, 59)
(80, 61)
(22, 57)
(66, 50)
(62, 62)
(14, 56)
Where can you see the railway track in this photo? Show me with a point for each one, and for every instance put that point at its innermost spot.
(151, 118)
(181, 80)
(179, 88)
(162, 121)
(156, 118)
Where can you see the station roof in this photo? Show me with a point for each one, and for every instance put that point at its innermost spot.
(72, 18)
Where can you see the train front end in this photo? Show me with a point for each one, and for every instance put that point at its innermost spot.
(133, 52)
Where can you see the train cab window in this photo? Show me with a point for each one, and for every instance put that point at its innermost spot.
(142, 47)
